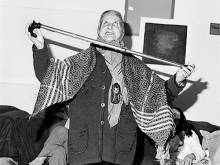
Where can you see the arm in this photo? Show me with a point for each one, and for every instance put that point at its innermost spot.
(177, 82)
(173, 89)
(41, 55)
(41, 61)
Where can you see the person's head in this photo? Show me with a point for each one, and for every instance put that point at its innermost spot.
(111, 26)
(117, 88)
(182, 124)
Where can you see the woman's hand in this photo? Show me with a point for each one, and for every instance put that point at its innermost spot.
(188, 159)
(184, 72)
(39, 40)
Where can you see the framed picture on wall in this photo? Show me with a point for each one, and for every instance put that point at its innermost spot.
(164, 40)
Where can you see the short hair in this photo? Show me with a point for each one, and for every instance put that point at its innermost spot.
(116, 13)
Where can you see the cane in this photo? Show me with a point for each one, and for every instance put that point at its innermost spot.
(83, 38)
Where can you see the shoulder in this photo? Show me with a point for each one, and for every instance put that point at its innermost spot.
(134, 62)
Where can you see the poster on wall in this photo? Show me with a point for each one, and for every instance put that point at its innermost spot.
(164, 40)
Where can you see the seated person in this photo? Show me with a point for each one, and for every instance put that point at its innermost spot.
(188, 146)
(22, 139)
(55, 148)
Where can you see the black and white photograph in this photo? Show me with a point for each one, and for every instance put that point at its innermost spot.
(109, 82)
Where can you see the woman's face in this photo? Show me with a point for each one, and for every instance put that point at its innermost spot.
(110, 29)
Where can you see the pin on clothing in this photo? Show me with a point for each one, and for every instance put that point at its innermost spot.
(116, 95)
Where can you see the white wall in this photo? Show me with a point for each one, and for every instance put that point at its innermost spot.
(18, 84)
(200, 100)
(204, 51)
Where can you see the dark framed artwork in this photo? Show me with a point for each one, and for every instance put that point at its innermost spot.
(165, 41)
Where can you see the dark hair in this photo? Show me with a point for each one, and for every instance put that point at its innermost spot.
(182, 124)
(116, 13)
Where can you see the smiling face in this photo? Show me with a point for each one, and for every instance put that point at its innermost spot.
(110, 27)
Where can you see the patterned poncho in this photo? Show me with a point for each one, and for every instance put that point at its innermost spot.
(146, 91)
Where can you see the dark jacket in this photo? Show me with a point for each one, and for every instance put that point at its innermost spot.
(90, 137)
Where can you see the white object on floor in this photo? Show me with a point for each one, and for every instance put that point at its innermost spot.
(211, 141)
(191, 145)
